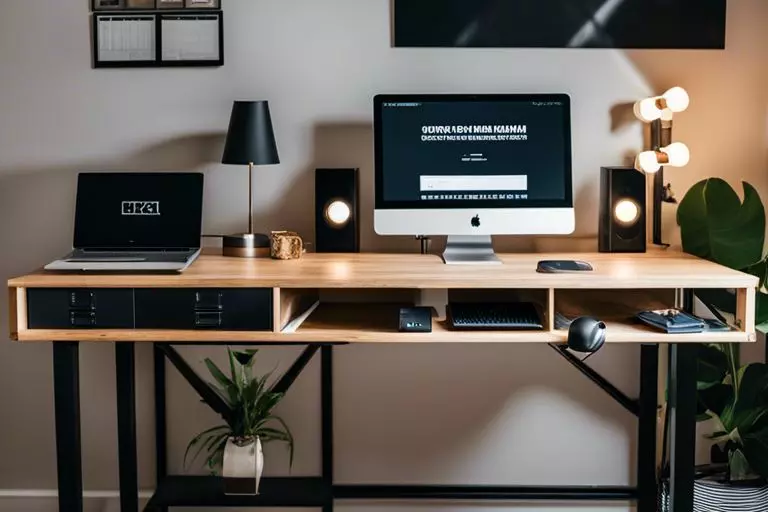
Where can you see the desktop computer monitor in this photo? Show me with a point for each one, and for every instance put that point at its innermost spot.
(472, 166)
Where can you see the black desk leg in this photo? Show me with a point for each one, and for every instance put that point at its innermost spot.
(66, 381)
(126, 427)
(647, 482)
(161, 432)
(682, 410)
(326, 387)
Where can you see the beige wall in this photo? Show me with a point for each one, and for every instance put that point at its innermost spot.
(477, 414)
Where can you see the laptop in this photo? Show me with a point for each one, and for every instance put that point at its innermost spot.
(136, 222)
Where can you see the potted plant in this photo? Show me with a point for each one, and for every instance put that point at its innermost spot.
(717, 225)
(236, 447)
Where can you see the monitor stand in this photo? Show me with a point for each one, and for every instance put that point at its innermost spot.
(470, 250)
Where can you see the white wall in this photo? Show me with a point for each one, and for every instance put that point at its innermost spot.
(429, 414)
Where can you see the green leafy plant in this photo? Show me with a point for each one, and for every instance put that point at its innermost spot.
(736, 399)
(251, 403)
(717, 225)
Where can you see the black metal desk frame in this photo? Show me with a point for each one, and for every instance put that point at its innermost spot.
(321, 492)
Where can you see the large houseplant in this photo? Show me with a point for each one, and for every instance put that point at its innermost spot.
(736, 400)
(717, 225)
(235, 447)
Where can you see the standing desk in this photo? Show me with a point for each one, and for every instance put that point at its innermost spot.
(264, 302)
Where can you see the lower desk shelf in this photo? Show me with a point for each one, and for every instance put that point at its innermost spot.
(208, 491)
(377, 323)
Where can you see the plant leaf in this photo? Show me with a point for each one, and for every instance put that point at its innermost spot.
(759, 270)
(223, 395)
(223, 380)
(715, 398)
(756, 451)
(716, 225)
(753, 390)
(739, 466)
(712, 366)
(208, 445)
(272, 434)
(289, 434)
(726, 417)
(199, 437)
(761, 311)
(216, 456)
(751, 420)
(721, 436)
(234, 374)
(246, 357)
(732, 353)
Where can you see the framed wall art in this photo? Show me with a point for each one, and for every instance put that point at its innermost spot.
(170, 4)
(108, 5)
(202, 4)
(158, 39)
(124, 40)
(652, 24)
(140, 4)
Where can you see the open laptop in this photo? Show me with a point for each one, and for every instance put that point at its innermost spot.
(136, 222)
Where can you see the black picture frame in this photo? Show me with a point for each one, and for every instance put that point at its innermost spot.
(575, 24)
(166, 5)
(149, 7)
(128, 16)
(218, 62)
(108, 5)
(157, 61)
(202, 4)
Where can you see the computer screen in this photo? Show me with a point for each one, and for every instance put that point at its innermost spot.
(473, 151)
(138, 210)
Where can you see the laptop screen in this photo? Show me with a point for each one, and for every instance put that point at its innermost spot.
(138, 210)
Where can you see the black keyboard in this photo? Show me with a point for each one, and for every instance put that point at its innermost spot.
(494, 315)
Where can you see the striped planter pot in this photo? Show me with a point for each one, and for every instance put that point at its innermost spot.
(712, 496)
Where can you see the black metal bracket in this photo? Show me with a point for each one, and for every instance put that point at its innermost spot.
(628, 403)
(205, 391)
(290, 376)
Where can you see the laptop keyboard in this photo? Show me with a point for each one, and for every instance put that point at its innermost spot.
(129, 256)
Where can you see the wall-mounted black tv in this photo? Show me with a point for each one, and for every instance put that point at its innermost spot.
(657, 24)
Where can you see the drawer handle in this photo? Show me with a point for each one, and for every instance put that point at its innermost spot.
(82, 318)
(79, 299)
(208, 300)
(207, 319)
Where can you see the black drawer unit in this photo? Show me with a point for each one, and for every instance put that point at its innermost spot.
(223, 309)
(66, 308)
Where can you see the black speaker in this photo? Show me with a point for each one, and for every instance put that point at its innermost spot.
(622, 225)
(337, 210)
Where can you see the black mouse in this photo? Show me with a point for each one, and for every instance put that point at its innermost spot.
(586, 334)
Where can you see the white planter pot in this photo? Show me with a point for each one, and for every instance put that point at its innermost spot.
(243, 466)
(712, 496)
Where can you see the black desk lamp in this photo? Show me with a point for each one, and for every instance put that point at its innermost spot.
(250, 141)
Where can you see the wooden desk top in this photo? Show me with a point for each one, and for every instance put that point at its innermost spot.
(658, 269)
(645, 281)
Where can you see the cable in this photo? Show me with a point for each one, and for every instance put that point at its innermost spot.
(424, 241)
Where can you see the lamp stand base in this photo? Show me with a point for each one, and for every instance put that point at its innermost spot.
(246, 245)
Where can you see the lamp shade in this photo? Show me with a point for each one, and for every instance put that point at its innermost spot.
(250, 139)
